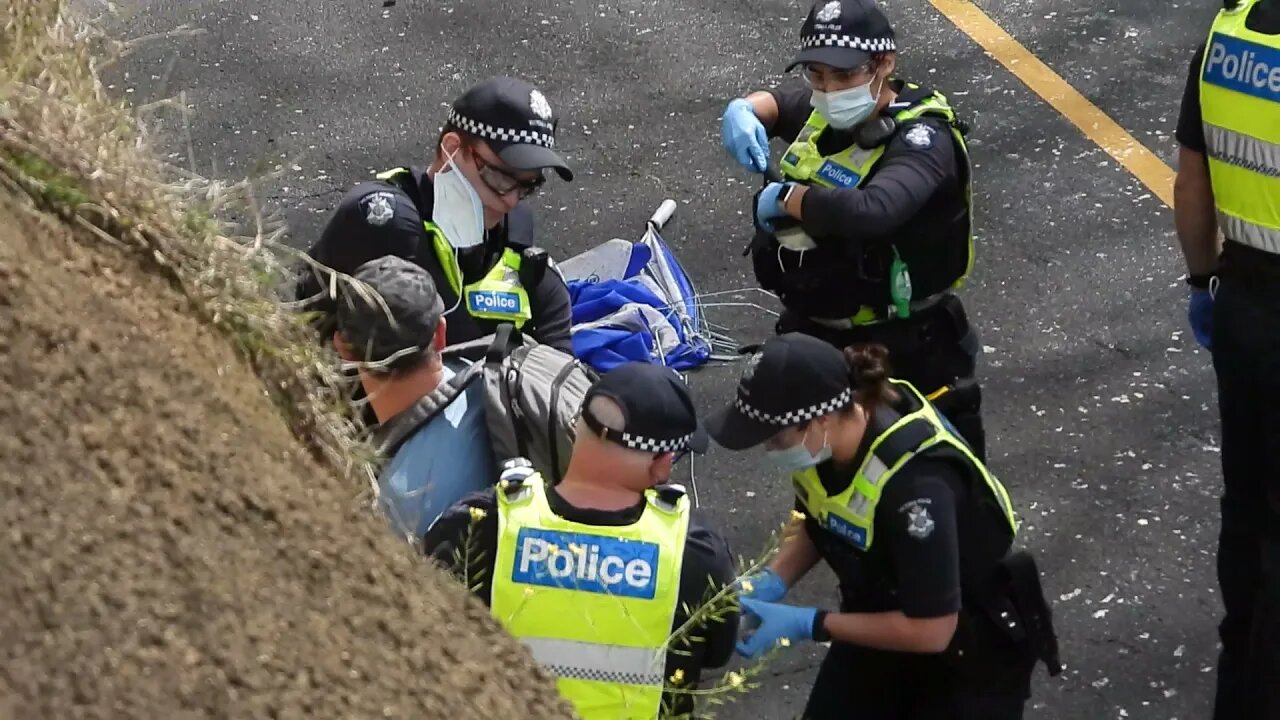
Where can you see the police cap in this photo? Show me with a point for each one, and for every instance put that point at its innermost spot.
(793, 379)
(657, 410)
(515, 119)
(843, 34)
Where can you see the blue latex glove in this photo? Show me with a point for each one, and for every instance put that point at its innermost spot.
(765, 585)
(776, 622)
(744, 136)
(767, 207)
(1200, 315)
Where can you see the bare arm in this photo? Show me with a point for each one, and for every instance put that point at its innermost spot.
(1194, 214)
(797, 556)
(765, 107)
(892, 631)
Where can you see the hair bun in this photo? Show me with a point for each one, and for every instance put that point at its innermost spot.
(868, 364)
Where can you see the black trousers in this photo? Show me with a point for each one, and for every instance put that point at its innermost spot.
(1246, 360)
(852, 685)
(929, 349)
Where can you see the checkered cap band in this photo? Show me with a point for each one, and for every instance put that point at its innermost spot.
(634, 441)
(872, 45)
(501, 134)
(795, 417)
(638, 442)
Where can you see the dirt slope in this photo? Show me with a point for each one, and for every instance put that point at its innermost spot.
(166, 549)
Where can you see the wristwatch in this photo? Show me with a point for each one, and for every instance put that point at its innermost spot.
(1200, 282)
(820, 633)
(786, 195)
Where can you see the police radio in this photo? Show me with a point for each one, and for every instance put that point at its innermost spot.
(533, 266)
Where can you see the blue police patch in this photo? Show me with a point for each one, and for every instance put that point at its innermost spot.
(586, 563)
(1244, 67)
(838, 176)
(493, 301)
(855, 535)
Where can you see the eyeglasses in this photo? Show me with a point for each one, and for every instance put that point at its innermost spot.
(832, 76)
(502, 182)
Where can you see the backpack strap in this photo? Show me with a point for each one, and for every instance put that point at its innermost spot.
(389, 435)
(505, 341)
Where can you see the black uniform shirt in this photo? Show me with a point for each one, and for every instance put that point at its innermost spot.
(355, 235)
(913, 190)
(913, 199)
(707, 561)
(924, 543)
(913, 564)
(1190, 132)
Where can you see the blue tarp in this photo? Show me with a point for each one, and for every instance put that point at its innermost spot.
(618, 321)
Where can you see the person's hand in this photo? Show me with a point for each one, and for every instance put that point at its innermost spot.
(744, 136)
(777, 623)
(767, 207)
(1200, 315)
(765, 585)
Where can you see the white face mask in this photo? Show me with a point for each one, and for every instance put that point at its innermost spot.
(843, 109)
(456, 207)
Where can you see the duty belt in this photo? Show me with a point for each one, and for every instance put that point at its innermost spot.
(917, 306)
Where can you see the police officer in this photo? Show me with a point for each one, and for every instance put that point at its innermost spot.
(1229, 179)
(461, 219)
(597, 572)
(937, 617)
(868, 230)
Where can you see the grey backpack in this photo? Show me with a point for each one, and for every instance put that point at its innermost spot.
(532, 395)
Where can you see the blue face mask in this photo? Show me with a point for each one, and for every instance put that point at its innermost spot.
(798, 457)
(843, 109)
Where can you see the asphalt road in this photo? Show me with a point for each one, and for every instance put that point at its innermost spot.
(1100, 408)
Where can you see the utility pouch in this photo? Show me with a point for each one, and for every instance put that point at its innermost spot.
(1023, 612)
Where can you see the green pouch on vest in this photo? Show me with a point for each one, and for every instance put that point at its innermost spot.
(900, 286)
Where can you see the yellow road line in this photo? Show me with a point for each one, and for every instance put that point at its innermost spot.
(1095, 124)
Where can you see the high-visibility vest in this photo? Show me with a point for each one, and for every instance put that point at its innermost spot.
(1240, 105)
(498, 295)
(848, 168)
(850, 513)
(594, 604)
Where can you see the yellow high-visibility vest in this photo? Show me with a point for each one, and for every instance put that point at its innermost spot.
(594, 604)
(1240, 105)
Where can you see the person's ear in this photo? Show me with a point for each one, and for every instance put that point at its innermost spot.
(660, 469)
(450, 143)
(441, 335)
(885, 67)
(343, 347)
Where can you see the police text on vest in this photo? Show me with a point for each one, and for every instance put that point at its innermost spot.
(838, 176)
(1243, 66)
(493, 301)
(586, 563)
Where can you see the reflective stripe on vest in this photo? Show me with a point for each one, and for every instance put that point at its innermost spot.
(851, 513)
(499, 295)
(804, 163)
(594, 604)
(592, 661)
(1240, 105)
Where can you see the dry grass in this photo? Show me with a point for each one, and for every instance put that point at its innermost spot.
(80, 154)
